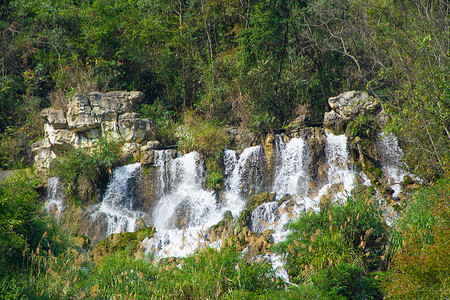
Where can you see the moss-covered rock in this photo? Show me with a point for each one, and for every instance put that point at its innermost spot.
(129, 242)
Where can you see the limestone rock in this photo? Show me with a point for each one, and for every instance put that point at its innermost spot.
(132, 150)
(80, 116)
(147, 192)
(62, 139)
(241, 138)
(43, 158)
(88, 112)
(110, 129)
(153, 144)
(269, 151)
(134, 129)
(147, 156)
(90, 117)
(55, 117)
(348, 106)
(298, 124)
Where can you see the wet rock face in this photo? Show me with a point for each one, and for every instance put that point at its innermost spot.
(88, 118)
(348, 106)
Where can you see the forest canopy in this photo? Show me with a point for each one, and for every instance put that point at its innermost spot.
(250, 63)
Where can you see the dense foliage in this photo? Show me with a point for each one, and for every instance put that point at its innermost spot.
(83, 170)
(249, 63)
(205, 65)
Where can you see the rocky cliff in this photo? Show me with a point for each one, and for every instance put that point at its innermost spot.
(88, 118)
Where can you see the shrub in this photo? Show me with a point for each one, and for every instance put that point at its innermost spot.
(420, 264)
(203, 136)
(341, 240)
(82, 170)
(20, 227)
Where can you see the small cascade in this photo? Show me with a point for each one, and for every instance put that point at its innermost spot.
(119, 201)
(55, 197)
(243, 177)
(264, 217)
(341, 176)
(183, 202)
(290, 176)
(390, 155)
(184, 209)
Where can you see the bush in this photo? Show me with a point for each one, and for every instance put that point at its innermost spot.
(83, 170)
(420, 264)
(203, 136)
(208, 139)
(20, 227)
(164, 121)
(342, 240)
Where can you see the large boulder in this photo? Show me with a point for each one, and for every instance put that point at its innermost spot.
(347, 107)
(55, 117)
(132, 128)
(88, 112)
(80, 116)
(60, 139)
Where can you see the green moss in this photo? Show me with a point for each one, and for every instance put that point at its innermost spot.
(128, 241)
(256, 200)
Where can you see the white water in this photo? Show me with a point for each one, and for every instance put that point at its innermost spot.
(243, 177)
(290, 176)
(390, 156)
(184, 209)
(55, 197)
(341, 175)
(119, 202)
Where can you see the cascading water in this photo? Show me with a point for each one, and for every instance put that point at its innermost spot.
(184, 209)
(55, 197)
(119, 201)
(290, 176)
(183, 201)
(390, 156)
(341, 176)
(243, 177)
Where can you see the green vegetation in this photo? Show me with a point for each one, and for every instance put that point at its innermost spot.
(242, 63)
(420, 268)
(205, 65)
(208, 139)
(338, 247)
(83, 170)
(342, 251)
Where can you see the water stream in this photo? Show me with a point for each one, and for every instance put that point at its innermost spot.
(119, 201)
(185, 209)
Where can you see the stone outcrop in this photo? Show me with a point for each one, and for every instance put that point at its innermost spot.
(347, 107)
(88, 118)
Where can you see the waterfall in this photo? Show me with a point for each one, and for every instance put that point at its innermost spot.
(290, 176)
(341, 175)
(243, 177)
(390, 156)
(119, 201)
(183, 200)
(184, 209)
(55, 197)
